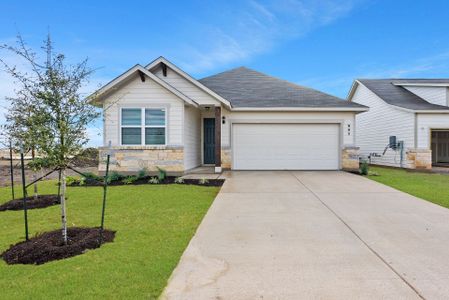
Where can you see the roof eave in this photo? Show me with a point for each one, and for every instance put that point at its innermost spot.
(330, 109)
(421, 84)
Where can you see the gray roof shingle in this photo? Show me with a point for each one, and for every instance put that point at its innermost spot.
(400, 96)
(244, 87)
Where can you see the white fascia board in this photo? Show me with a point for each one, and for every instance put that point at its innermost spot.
(432, 111)
(323, 109)
(198, 84)
(113, 83)
(422, 84)
(351, 92)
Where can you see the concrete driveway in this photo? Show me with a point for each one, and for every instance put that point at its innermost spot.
(319, 235)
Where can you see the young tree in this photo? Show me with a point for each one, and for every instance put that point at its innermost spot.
(54, 87)
(23, 124)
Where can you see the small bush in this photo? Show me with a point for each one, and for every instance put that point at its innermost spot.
(179, 180)
(70, 180)
(92, 176)
(153, 180)
(203, 181)
(82, 181)
(142, 173)
(364, 167)
(114, 176)
(129, 179)
(162, 174)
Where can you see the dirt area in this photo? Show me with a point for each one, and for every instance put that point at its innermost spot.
(42, 201)
(49, 245)
(5, 175)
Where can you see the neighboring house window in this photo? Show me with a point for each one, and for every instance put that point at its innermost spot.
(143, 126)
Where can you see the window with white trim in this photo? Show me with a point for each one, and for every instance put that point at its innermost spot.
(143, 126)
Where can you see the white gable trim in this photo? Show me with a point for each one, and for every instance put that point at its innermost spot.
(192, 80)
(98, 96)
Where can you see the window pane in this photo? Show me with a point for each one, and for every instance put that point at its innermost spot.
(155, 117)
(131, 116)
(131, 136)
(154, 136)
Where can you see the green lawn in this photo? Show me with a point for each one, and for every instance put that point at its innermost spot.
(429, 186)
(154, 225)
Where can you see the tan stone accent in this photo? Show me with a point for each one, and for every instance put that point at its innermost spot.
(130, 160)
(226, 158)
(419, 159)
(350, 159)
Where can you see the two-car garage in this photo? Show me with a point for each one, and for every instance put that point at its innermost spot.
(285, 146)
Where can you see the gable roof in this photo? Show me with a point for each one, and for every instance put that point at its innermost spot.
(392, 92)
(246, 88)
(100, 94)
(163, 60)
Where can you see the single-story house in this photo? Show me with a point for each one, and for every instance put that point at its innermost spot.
(241, 119)
(414, 112)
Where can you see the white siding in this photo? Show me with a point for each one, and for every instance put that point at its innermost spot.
(435, 95)
(186, 87)
(427, 122)
(347, 118)
(192, 138)
(376, 125)
(136, 93)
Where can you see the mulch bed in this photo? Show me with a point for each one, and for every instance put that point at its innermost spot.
(49, 246)
(41, 202)
(168, 180)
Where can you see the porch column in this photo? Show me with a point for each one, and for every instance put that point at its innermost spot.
(217, 139)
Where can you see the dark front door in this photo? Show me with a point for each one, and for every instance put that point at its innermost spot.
(209, 141)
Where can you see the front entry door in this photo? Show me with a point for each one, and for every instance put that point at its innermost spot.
(209, 141)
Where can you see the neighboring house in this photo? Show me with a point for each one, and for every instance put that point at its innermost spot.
(416, 111)
(159, 116)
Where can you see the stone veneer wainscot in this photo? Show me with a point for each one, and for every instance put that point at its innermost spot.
(132, 159)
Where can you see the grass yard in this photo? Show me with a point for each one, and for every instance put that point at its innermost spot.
(429, 186)
(154, 225)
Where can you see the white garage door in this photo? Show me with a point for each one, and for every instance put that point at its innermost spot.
(285, 146)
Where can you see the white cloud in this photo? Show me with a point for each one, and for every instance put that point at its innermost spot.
(257, 27)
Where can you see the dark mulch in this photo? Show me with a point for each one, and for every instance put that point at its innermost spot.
(49, 246)
(167, 180)
(41, 202)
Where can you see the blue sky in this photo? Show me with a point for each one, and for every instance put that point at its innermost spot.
(323, 44)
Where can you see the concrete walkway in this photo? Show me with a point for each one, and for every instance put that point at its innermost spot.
(315, 235)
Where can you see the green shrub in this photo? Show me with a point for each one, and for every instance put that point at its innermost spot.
(114, 176)
(129, 179)
(364, 167)
(203, 181)
(71, 180)
(179, 180)
(162, 174)
(82, 181)
(92, 176)
(153, 180)
(142, 173)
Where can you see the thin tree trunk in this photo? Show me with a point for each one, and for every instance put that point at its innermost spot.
(63, 209)
(33, 154)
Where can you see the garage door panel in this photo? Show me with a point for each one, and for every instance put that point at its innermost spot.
(285, 146)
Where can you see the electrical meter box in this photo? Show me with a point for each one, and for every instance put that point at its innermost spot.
(393, 142)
